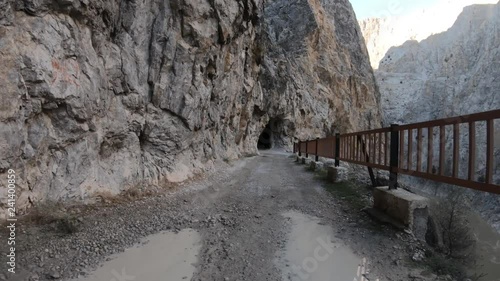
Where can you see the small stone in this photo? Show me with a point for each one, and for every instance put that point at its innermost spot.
(55, 275)
(418, 256)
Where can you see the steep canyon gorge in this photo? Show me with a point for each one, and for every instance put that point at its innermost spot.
(103, 96)
(447, 74)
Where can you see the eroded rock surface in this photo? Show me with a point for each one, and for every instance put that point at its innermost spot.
(101, 96)
(446, 75)
(396, 25)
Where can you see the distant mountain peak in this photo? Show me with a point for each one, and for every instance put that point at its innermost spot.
(383, 33)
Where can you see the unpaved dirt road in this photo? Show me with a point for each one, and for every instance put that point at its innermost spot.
(260, 218)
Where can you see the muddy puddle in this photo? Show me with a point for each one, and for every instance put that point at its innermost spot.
(312, 253)
(166, 256)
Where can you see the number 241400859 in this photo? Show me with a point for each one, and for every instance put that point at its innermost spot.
(11, 192)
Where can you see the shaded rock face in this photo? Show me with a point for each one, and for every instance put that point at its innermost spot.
(449, 74)
(316, 69)
(101, 96)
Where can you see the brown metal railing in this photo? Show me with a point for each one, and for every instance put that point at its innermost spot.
(417, 150)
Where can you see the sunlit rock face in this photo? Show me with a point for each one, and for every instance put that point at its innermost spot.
(449, 74)
(102, 96)
(394, 24)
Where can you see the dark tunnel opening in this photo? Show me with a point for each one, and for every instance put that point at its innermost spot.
(266, 138)
(276, 134)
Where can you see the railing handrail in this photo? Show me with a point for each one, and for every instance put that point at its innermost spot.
(391, 149)
(482, 116)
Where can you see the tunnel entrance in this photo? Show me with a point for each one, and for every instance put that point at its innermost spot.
(275, 134)
(266, 138)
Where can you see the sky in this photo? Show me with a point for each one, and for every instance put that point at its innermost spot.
(384, 8)
(393, 8)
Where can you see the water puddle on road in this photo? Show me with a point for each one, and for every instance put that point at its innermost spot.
(166, 256)
(312, 253)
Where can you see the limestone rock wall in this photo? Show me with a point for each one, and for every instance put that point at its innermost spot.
(449, 74)
(101, 96)
(399, 25)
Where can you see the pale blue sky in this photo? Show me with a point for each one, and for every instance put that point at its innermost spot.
(381, 8)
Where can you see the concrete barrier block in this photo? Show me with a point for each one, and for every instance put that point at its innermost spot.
(329, 163)
(319, 166)
(407, 208)
(316, 166)
(337, 174)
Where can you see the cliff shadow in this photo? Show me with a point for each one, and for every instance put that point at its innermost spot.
(274, 135)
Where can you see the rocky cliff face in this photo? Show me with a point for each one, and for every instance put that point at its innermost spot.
(383, 33)
(449, 74)
(109, 95)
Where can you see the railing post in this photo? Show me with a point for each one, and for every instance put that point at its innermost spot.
(317, 156)
(394, 163)
(300, 147)
(337, 150)
(307, 153)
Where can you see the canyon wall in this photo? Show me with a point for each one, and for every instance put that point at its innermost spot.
(103, 96)
(449, 74)
(452, 73)
(399, 25)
